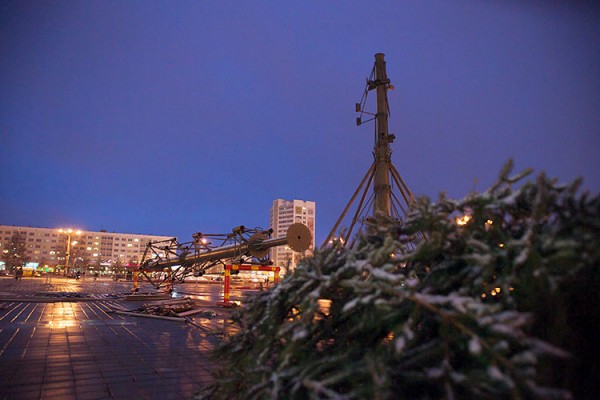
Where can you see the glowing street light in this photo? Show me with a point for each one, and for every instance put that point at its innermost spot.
(69, 232)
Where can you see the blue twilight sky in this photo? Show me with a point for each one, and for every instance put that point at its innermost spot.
(171, 117)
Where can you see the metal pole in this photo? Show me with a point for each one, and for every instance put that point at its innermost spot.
(227, 284)
(383, 154)
(68, 255)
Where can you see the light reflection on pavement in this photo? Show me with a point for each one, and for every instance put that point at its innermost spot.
(78, 347)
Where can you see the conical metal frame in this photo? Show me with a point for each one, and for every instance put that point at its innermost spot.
(383, 200)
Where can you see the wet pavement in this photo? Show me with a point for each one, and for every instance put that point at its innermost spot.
(66, 347)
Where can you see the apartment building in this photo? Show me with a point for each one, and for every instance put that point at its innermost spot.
(49, 247)
(283, 214)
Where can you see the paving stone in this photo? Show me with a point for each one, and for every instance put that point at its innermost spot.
(58, 393)
(82, 350)
(57, 376)
(22, 394)
(28, 379)
(88, 374)
(123, 378)
(99, 389)
(91, 396)
(89, 381)
(70, 384)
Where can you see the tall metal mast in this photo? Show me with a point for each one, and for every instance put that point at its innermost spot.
(383, 153)
(383, 200)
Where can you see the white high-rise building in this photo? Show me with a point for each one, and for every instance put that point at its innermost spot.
(283, 214)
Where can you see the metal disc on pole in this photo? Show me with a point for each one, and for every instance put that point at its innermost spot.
(298, 237)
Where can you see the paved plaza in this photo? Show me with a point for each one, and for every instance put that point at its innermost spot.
(62, 339)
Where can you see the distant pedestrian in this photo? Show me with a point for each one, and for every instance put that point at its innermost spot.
(19, 273)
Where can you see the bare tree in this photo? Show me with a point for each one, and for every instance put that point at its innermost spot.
(15, 254)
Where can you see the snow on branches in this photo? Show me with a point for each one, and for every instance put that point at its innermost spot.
(492, 305)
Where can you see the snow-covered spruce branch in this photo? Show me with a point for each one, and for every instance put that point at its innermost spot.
(476, 342)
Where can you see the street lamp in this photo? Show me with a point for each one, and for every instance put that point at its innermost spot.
(69, 233)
